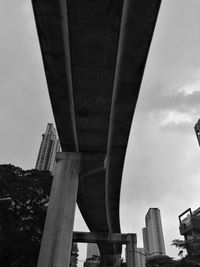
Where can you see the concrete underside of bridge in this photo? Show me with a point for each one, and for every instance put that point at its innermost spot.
(94, 55)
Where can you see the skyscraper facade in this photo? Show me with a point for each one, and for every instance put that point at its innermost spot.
(190, 229)
(140, 257)
(48, 148)
(92, 250)
(153, 233)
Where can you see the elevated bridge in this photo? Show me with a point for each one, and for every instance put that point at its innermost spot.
(94, 55)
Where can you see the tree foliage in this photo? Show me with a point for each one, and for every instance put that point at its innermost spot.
(74, 256)
(192, 245)
(24, 197)
(160, 261)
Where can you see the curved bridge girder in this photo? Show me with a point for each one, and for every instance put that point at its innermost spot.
(94, 54)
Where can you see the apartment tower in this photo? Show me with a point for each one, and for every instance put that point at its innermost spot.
(153, 234)
(140, 257)
(48, 148)
(92, 250)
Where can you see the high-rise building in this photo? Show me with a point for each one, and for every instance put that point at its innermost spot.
(145, 240)
(197, 130)
(140, 257)
(92, 262)
(93, 255)
(190, 229)
(48, 148)
(153, 233)
(92, 250)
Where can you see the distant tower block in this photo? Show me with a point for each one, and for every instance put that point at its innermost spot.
(197, 130)
(153, 234)
(48, 148)
(140, 257)
(92, 250)
(145, 240)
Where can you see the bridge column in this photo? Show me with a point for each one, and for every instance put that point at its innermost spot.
(56, 244)
(130, 250)
(117, 260)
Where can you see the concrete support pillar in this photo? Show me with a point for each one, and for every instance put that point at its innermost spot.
(130, 250)
(56, 244)
(117, 260)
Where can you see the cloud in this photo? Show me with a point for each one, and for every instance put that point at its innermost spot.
(176, 118)
(171, 85)
(160, 97)
(156, 157)
(174, 108)
(176, 41)
(24, 103)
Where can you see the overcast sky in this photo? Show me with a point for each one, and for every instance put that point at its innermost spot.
(162, 166)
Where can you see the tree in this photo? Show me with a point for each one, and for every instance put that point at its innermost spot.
(160, 261)
(192, 245)
(74, 255)
(24, 197)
